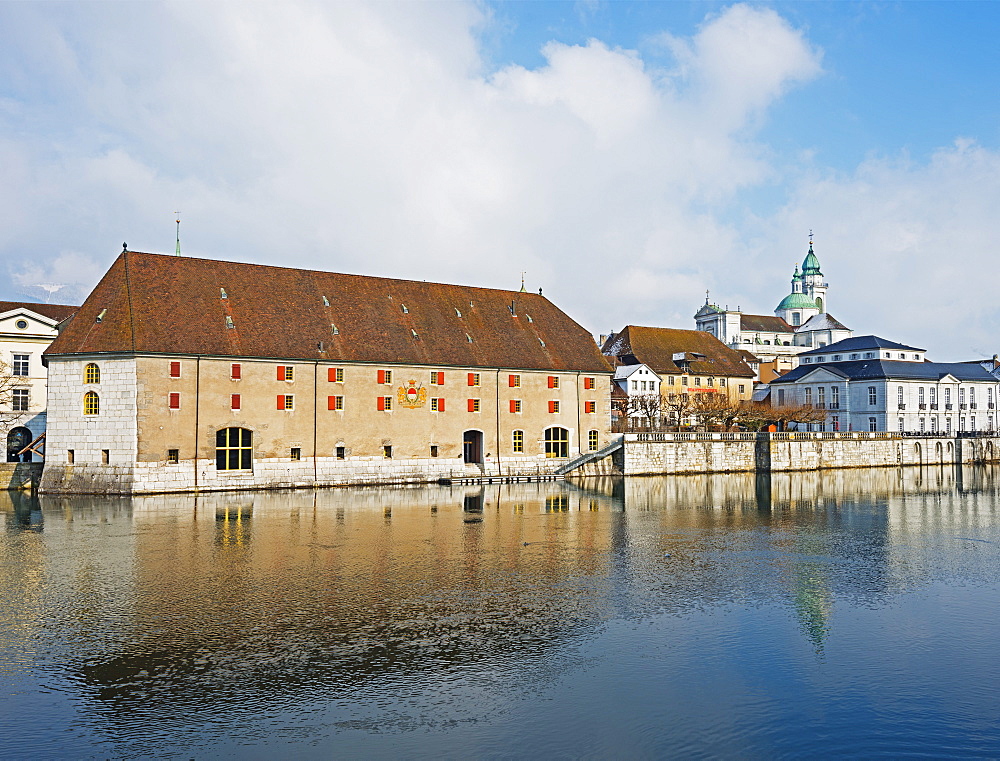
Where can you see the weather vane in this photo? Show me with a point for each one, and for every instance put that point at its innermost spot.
(178, 215)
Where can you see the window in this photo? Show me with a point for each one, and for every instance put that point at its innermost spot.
(872, 424)
(19, 400)
(781, 396)
(834, 398)
(286, 372)
(335, 403)
(234, 401)
(335, 375)
(837, 357)
(593, 440)
(821, 397)
(518, 441)
(175, 369)
(670, 380)
(515, 405)
(589, 383)
(296, 453)
(872, 396)
(236, 371)
(473, 379)
(91, 373)
(947, 395)
(643, 385)
(553, 405)
(173, 456)
(684, 380)
(808, 396)
(590, 407)
(233, 449)
(901, 425)
(902, 356)
(743, 389)
(174, 401)
(920, 396)
(286, 402)
(854, 356)
(722, 382)
(384, 376)
(21, 324)
(933, 395)
(947, 425)
(556, 442)
(922, 425)
(383, 403)
(899, 396)
(635, 385)
(961, 396)
(697, 382)
(434, 450)
(711, 382)
(91, 403)
(869, 355)
(473, 405)
(20, 366)
(437, 404)
(387, 451)
(70, 456)
(835, 423)
(972, 397)
(437, 378)
(341, 453)
(934, 424)
(553, 381)
(105, 456)
(514, 381)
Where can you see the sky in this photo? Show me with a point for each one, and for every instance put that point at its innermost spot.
(625, 156)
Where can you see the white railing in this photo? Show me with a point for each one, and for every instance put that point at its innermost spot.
(796, 435)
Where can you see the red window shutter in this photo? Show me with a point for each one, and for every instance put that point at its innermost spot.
(281, 376)
(331, 402)
(552, 381)
(472, 405)
(472, 379)
(552, 406)
(513, 405)
(381, 376)
(440, 379)
(281, 401)
(237, 372)
(175, 401)
(512, 381)
(380, 401)
(441, 405)
(235, 404)
(588, 383)
(175, 369)
(590, 406)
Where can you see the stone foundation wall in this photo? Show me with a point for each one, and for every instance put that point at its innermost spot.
(20, 475)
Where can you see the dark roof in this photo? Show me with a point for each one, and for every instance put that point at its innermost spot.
(764, 323)
(57, 312)
(748, 356)
(887, 369)
(859, 343)
(655, 347)
(156, 304)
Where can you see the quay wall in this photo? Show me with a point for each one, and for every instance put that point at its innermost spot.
(682, 453)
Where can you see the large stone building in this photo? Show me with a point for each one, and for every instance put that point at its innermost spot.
(868, 383)
(26, 329)
(182, 374)
(800, 322)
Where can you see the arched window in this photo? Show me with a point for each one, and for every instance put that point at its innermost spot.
(91, 373)
(233, 449)
(593, 440)
(518, 441)
(91, 403)
(556, 442)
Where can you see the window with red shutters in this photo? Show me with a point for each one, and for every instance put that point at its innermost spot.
(335, 374)
(515, 405)
(236, 371)
(440, 378)
(514, 381)
(441, 404)
(553, 405)
(588, 383)
(473, 379)
(175, 401)
(590, 406)
(473, 405)
(281, 372)
(175, 369)
(553, 381)
(281, 401)
(381, 377)
(235, 401)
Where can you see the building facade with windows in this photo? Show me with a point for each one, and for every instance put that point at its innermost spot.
(182, 374)
(868, 383)
(26, 329)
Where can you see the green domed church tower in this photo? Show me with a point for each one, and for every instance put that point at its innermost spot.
(808, 296)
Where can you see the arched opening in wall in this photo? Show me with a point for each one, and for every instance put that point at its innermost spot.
(234, 449)
(556, 442)
(919, 454)
(472, 447)
(989, 451)
(819, 303)
(18, 439)
(939, 452)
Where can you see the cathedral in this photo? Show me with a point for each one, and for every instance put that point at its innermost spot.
(800, 323)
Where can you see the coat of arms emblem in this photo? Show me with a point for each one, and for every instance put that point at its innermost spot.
(411, 395)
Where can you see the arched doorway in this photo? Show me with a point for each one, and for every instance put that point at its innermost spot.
(472, 447)
(17, 440)
(556, 442)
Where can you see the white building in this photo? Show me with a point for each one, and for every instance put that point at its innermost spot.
(871, 384)
(25, 332)
(641, 388)
(801, 322)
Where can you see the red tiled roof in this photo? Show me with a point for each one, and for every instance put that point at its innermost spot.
(655, 347)
(57, 312)
(764, 323)
(157, 304)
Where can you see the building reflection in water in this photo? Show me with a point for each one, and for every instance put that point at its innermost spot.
(179, 603)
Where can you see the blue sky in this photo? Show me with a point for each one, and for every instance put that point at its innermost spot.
(627, 156)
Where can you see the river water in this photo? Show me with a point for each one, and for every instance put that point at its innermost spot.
(850, 613)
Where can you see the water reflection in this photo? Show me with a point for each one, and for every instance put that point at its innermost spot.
(433, 607)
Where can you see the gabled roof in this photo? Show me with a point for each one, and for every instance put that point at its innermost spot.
(748, 356)
(655, 347)
(56, 312)
(859, 343)
(624, 371)
(763, 323)
(156, 304)
(821, 321)
(892, 370)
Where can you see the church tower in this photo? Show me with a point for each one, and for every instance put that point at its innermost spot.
(812, 280)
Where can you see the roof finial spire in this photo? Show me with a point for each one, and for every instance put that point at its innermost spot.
(178, 253)
(522, 283)
(706, 297)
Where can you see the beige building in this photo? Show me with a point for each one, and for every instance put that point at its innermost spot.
(182, 374)
(26, 329)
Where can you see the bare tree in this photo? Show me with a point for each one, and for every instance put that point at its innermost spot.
(8, 415)
(714, 409)
(678, 408)
(796, 413)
